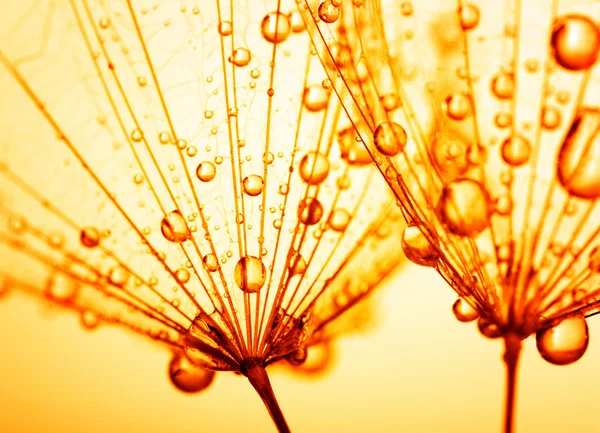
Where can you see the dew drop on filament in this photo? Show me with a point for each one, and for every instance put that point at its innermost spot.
(187, 376)
(464, 207)
(575, 42)
(390, 138)
(275, 27)
(417, 248)
(250, 274)
(174, 228)
(564, 343)
(463, 311)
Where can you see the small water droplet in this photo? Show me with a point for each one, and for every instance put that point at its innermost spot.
(551, 118)
(469, 16)
(339, 219)
(240, 57)
(310, 211)
(316, 98)
(253, 185)
(211, 262)
(118, 275)
(314, 168)
(503, 85)
(225, 28)
(463, 311)
(457, 106)
(464, 207)
(390, 138)
(206, 171)
(328, 12)
(297, 264)
(182, 275)
(275, 27)
(488, 329)
(90, 237)
(89, 319)
(516, 150)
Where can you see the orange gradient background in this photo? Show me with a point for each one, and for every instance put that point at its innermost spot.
(419, 371)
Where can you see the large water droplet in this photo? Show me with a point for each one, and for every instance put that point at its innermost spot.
(464, 207)
(314, 168)
(417, 248)
(575, 42)
(487, 328)
(253, 185)
(275, 27)
(310, 211)
(579, 157)
(516, 150)
(250, 274)
(174, 227)
(187, 376)
(206, 171)
(390, 138)
(328, 12)
(463, 311)
(564, 343)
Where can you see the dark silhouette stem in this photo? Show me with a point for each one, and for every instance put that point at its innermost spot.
(257, 375)
(511, 359)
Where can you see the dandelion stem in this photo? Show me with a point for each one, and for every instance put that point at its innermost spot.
(511, 358)
(257, 375)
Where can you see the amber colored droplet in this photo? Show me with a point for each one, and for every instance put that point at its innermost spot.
(594, 264)
(90, 237)
(503, 120)
(310, 211)
(240, 57)
(253, 185)
(390, 138)
(250, 274)
(328, 12)
(352, 151)
(564, 343)
(211, 262)
(296, 22)
(406, 8)
(575, 42)
(578, 167)
(551, 118)
(503, 85)
(464, 207)
(469, 16)
(297, 264)
(316, 97)
(339, 219)
(314, 168)
(118, 276)
(449, 153)
(174, 228)
(516, 150)
(463, 311)
(457, 106)
(182, 275)
(417, 248)
(187, 376)
(225, 28)
(206, 171)
(275, 27)
(487, 328)
(89, 319)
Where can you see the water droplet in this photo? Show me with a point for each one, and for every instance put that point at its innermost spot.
(503, 85)
(579, 157)
(487, 328)
(250, 274)
(62, 287)
(417, 248)
(90, 237)
(240, 57)
(118, 275)
(463, 311)
(253, 185)
(297, 264)
(594, 264)
(89, 319)
(468, 16)
(328, 12)
(211, 262)
(406, 8)
(275, 27)
(174, 228)
(310, 211)
(564, 343)
(314, 168)
(316, 98)
(449, 154)
(352, 151)
(182, 275)
(551, 118)
(390, 138)
(206, 171)
(225, 28)
(187, 376)
(464, 207)
(296, 22)
(516, 150)
(575, 42)
(503, 120)
(339, 219)
(457, 106)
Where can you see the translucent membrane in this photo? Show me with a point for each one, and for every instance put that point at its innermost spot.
(183, 169)
(498, 113)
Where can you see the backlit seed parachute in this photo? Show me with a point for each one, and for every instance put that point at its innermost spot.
(484, 118)
(182, 169)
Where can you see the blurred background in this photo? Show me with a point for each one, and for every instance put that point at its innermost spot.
(418, 370)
